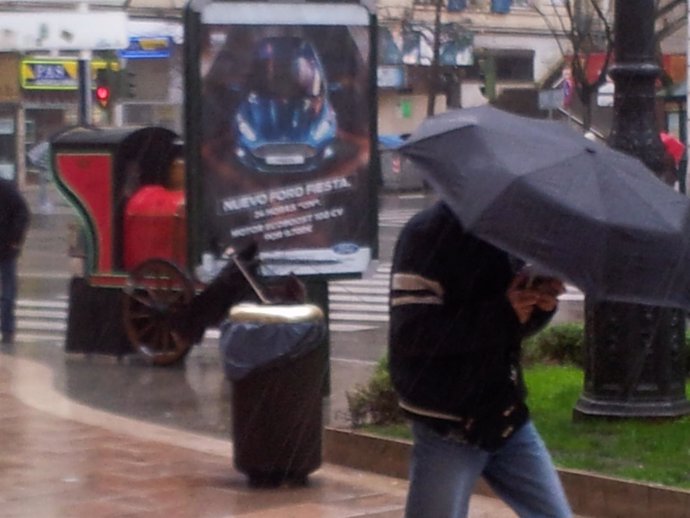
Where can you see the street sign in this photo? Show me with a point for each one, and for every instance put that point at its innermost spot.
(56, 73)
(63, 31)
(605, 95)
(143, 47)
(551, 99)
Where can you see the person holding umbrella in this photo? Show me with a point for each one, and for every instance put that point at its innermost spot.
(459, 308)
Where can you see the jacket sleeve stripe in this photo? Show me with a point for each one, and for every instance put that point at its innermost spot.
(411, 299)
(428, 413)
(414, 282)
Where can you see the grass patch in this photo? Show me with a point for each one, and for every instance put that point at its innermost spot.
(650, 451)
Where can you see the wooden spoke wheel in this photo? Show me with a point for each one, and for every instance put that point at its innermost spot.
(156, 293)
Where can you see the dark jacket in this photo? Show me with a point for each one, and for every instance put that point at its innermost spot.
(454, 337)
(14, 220)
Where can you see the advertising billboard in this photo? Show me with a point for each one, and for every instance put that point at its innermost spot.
(284, 130)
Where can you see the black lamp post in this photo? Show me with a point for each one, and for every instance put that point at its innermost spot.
(634, 354)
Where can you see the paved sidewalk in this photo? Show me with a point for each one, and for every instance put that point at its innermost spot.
(64, 459)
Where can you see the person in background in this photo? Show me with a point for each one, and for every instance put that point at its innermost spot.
(459, 308)
(675, 151)
(14, 220)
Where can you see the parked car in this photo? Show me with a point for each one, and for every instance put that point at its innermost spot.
(285, 121)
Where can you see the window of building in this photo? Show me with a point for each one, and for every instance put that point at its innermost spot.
(510, 65)
(515, 67)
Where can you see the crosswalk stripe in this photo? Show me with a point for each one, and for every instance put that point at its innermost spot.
(369, 299)
(45, 275)
(362, 304)
(356, 291)
(46, 315)
(383, 283)
(23, 324)
(356, 308)
(41, 315)
(354, 305)
(366, 317)
(395, 218)
(42, 303)
(349, 328)
(41, 320)
(35, 337)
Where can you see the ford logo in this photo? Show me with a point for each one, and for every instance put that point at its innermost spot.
(346, 248)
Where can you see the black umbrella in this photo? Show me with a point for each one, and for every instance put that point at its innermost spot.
(574, 208)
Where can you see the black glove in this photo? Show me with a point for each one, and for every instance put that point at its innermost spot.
(211, 305)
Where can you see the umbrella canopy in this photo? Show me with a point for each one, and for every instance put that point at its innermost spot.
(573, 208)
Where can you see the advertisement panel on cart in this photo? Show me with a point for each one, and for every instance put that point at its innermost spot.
(284, 131)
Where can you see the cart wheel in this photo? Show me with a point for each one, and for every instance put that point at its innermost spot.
(156, 292)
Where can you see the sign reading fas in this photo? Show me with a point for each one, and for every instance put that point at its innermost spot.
(56, 74)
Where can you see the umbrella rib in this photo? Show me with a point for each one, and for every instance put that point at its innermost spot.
(651, 207)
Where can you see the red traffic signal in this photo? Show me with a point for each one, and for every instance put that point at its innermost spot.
(104, 83)
(103, 95)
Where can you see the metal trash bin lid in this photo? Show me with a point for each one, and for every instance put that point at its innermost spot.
(275, 313)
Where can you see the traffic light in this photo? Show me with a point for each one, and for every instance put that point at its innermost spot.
(125, 88)
(103, 90)
(487, 76)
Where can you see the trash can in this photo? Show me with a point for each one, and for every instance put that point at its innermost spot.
(275, 357)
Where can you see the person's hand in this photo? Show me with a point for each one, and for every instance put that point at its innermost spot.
(549, 288)
(521, 298)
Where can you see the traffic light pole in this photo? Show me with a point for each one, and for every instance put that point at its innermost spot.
(84, 70)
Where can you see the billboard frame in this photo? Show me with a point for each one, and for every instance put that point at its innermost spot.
(202, 12)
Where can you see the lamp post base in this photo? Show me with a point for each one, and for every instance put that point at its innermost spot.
(587, 407)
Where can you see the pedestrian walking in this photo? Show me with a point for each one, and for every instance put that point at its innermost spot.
(459, 310)
(14, 220)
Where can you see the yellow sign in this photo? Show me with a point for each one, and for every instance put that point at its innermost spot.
(57, 74)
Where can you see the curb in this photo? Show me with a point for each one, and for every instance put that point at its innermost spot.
(589, 494)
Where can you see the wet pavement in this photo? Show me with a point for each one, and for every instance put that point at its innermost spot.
(65, 459)
(93, 436)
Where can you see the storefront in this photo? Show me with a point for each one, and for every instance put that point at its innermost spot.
(39, 94)
(10, 118)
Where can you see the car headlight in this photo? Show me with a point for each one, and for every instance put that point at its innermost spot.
(245, 128)
(325, 127)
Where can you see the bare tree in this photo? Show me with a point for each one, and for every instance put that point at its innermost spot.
(581, 29)
(433, 70)
(670, 16)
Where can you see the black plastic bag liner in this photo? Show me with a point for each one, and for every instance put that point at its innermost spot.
(262, 337)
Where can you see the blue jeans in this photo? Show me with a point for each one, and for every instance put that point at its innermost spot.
(8, 295)
(443, 474)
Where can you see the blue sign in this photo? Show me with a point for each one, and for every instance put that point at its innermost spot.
(390, 76)
(501, 6)
(147, 48)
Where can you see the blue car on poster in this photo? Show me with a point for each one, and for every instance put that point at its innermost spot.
(285, 121)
